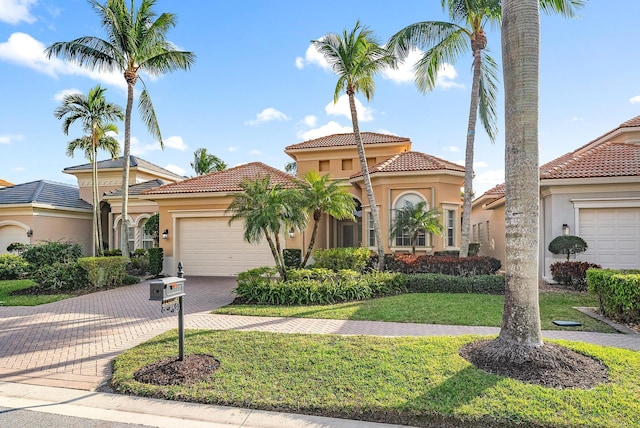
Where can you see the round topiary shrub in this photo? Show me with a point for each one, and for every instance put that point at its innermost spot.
(568, 244)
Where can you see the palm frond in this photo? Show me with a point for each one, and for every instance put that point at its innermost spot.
(567, 8)
(148, 115)
(488, 93)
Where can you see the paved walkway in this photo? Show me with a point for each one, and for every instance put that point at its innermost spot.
(69, 344)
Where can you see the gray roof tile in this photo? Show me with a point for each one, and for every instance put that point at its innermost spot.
(43, 192)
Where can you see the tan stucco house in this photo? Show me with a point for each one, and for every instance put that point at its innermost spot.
(592, 192)
(193, 211)
(43, 210)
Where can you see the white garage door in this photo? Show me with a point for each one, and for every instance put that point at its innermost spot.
(209, 246)
(613, 236)
(9, 234)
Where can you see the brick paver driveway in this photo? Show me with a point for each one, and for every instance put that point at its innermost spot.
(71, 343)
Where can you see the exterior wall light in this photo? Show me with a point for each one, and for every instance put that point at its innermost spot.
(165, 234)
(291, 233)
(30, 233)
(565, 229)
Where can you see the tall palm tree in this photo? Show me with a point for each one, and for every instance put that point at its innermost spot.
(136, 42)
(204, 163)
(445, 42)
(356, 57)
(267, 210)
(413, 219)
(95, 114)
(321, 194)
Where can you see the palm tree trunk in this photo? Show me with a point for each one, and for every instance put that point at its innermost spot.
(476, 46)
(274, 253)
(367, 180)
(96, 204)
(124, 225)
(520, 47)
(312, 242)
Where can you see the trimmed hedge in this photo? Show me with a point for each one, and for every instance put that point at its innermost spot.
(573, 274)
(618, 293)
(50, 252)
(103, 271)
(64, 276)
(439, 283)
(12, 266)
(342, 258)
(447, 265)
(156, 258)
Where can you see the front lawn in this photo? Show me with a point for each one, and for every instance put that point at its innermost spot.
(7, 286)
(408, 380)
(436, 308)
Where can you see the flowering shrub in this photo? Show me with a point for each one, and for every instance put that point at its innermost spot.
(573, 274)
(447, 265)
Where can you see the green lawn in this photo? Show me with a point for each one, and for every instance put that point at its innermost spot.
(436, 308)
(415, 381)
(8, 286)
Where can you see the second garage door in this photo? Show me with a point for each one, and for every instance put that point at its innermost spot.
(613, 236)
(209, 246)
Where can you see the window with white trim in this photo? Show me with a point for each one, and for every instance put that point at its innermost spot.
(404, 239)
(451, 228)
(371, 231)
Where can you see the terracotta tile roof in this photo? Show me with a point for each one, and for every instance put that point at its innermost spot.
(337, 140)
(225, 181)
(411, 161)
(608, 159)
(43, 192)
(134, 162)
(495, 192)
(137, 189)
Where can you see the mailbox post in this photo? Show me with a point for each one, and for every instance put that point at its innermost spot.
(170, 291)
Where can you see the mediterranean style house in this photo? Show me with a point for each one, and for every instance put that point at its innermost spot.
(193, 212)
(592, 192)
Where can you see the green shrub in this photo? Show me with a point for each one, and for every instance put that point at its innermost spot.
(292, 257)
(103, 271)
(342, 258)
(447, 253)
(618, 293)
(61, 276)
(447, 265)
(50, 252)
(315, 286)
(139, 263)
(12, 266)
(156, 258)
(17, 247)
(130, 280)
(112, 253)
(439, 283)
(573, 274)
(567, 244)
(474, 249)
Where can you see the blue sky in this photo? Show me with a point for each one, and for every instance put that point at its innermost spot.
(257, 86)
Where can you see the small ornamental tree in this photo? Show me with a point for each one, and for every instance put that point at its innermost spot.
(568, 244)
(152, 227)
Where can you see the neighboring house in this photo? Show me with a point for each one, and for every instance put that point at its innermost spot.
(592, 192)
(43, 210)
(46, 211)
(5, 183)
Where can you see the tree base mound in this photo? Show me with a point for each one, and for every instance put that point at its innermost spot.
(550, 365)
(170, 371)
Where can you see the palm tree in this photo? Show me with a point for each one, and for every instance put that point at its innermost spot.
(356, 57)
(136, 42)
(445, 43)
(413, 219)
(204, 163)
(95, 114)
(321, 194)
(291, 168)
(267, 210)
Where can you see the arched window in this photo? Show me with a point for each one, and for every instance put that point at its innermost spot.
(404, 239)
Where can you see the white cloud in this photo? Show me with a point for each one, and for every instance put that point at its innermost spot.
(59, 96)
(453, 149)
(255, 152)
(404, 73)
(635, 100)
(175, 142)
(328, 129)
(487, 180)
(480, 164)
(8, 139)
(341, 108)
(232, 148)
(310, 121)
(446, 77)
(576, 119)
(18, 169)
(138, 149)
(22, 49)
(312, 56)
(175, 169)
(268, 115)
(16, 11)
(384, 131)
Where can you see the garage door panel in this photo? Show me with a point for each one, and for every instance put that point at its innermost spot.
(210, 246)
(613, 236)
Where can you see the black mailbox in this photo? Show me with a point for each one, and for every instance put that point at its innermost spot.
(166, 288)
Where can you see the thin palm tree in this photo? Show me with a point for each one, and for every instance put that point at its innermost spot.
(205, 163)
(267, 209)
(445, 42)
(321, 194)
(355, 57)
(414, 219)
(136, 43)
(95, 114)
